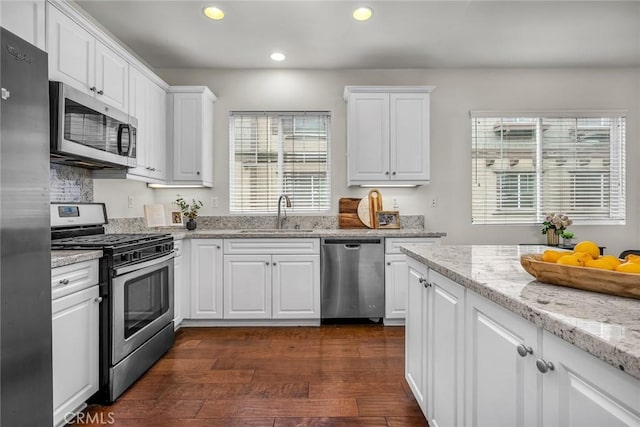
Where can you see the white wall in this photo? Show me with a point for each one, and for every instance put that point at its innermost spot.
(457, 91)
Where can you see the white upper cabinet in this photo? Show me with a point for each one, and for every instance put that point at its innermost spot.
(26, 19)
(77, 58)
(388, 135)
(190, 113)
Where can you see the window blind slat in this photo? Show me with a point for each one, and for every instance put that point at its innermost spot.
(523, 167)
(279, 153)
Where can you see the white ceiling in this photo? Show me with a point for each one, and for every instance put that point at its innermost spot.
(401, 34)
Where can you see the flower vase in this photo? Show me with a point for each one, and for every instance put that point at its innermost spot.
(191, 224)
(567, 242)
(552, 238)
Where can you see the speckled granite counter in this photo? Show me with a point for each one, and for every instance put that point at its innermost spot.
(292, 233)
(60, 258)
(606, 326)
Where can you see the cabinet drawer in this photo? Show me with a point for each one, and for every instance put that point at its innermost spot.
(271, 246)
(177, 247)
(73, 277)
(392, 244)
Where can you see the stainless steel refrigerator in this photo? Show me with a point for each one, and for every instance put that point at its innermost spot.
(25, 237)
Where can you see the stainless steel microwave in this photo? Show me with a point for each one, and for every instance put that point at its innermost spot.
(86, 132)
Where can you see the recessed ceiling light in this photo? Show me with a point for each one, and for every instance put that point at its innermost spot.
(213, 13)
(362, 13)
(277, 56)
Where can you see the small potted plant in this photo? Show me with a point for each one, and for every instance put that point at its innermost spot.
(566, 237)
(553, 226)
(189, 211)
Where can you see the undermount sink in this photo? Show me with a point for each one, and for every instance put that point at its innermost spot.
(276, 230)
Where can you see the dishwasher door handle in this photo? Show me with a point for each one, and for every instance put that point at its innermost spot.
(352, 247)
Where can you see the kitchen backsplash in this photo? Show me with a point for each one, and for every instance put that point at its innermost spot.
(70, 184)
(128, 225)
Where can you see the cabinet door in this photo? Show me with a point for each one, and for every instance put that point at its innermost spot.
(416, 333)
(75, 350)
(138, 108)
(177, 291)
(206, 279)
(187, 136)
(296, 286)
(501, 386)
(157, 131)
(445, 351)
(409, 136)
(247, 286)
(585, 391)
(368, 136)
(112, 78)
(26, 19)
(71, 52)
(396, 279)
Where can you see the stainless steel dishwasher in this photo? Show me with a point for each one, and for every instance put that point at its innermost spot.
(352, 274)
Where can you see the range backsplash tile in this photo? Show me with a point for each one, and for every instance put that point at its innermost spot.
(70, 184)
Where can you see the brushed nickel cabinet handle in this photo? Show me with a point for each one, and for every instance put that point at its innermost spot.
(523, 350)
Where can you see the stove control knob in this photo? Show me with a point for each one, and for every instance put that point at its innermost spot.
(125, 257)
(168, 247)
(137, 254)
(159, 248)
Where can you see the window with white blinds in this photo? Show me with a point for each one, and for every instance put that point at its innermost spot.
(524, 167)
(274, 153)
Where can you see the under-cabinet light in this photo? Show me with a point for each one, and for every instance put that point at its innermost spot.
(214, 13)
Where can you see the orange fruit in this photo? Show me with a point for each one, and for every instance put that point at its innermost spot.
(583, 257)
(599, 263)
(611, 260)
(632, 258)
(588, 247)
(629, 267)
(552, 256)
(569, 260)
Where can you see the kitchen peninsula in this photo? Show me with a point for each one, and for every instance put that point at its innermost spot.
(547, 354)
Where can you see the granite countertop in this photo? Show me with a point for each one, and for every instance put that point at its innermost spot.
(604, 325)
(66, 257)
(293, 233)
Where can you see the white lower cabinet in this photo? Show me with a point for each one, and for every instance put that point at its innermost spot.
(396, 274)
(445, 351)
(502, 383)
(416, 333)
(75, 351)
(435, 345)
(206, 278)
(272, 279)
(582, 391)
(247, 286)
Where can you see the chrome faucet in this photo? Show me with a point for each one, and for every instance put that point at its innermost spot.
(288, 204)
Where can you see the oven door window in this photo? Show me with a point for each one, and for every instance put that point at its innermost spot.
(146, 298)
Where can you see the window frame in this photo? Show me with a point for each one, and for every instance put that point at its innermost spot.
(589, 126)
(281, 174)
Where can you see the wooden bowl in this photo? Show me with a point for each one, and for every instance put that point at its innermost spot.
(588, 279)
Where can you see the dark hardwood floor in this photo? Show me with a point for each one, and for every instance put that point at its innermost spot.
(347, 375)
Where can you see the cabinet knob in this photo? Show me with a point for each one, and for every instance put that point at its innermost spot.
(386, 173)
(64, 281)
(544, 366)
(388, 263)
(93, 89)
(273, 263)
(198, 173)
(267, 262)
(523, 350)
(217, 246)
(98, 299)
(101, 92)
(393, 173)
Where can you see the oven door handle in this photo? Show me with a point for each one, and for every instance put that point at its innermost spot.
(140, 266)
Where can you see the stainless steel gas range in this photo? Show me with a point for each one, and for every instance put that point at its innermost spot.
(136, 286)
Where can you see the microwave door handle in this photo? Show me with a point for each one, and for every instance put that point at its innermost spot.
(131, 141)
(120, 132)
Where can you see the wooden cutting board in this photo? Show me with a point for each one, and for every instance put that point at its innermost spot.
(348, 213)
